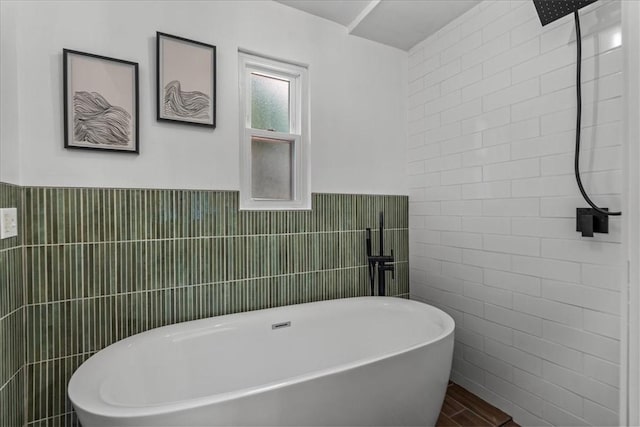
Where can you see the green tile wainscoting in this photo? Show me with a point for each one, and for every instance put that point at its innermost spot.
(12, 332)
(103, 264)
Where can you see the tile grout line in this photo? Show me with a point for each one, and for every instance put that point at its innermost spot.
(39, 420)
(15, 374)
(201, 284)
(11, 312)
(202, 237)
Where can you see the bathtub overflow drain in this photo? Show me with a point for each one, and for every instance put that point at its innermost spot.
(280, 325)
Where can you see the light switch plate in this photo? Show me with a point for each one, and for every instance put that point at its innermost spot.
(8, 223)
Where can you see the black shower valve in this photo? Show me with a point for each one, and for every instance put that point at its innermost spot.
(589, 221)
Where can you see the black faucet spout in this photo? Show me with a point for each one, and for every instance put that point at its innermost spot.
(381, 259)
(388, 267)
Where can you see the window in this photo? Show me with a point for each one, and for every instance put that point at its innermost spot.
(274, 134)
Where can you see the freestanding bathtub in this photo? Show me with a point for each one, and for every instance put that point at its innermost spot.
(371, 361)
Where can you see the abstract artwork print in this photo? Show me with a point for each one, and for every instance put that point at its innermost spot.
(186, 79)
(95, 121)
(100, 102)
(187, 105)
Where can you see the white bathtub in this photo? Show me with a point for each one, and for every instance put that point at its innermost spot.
(372, 361)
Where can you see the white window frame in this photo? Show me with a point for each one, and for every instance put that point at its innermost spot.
(297, 76)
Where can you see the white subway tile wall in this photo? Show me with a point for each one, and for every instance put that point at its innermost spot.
(492, 206)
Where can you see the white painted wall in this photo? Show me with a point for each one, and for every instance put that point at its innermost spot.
(358, 94)
(9, 138)
(492, 206)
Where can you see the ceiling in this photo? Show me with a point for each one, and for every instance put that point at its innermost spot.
(397, 23)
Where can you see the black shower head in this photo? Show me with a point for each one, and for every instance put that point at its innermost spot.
(550, 10)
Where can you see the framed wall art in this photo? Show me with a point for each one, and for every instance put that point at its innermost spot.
(186, 81)
(100, 102)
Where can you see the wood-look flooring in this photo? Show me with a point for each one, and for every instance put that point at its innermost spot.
(461, 408)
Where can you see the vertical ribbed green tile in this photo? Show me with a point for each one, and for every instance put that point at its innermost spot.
(219, 298)
(148, 213)
(207, 213)
(200, 213)
(303, 259)
(181, 214)
(313, 251)
(151, 208)
(333, 212)
(402, 278)
(330, 257)
(320, 287)
(35, 216)
(306, 256)
(184, 308)
(125, 253)
(218, 213)
(259, 255)
(347, 212)
(15, 279)
(147, 258)
(192, 214)
(63, 215)
(11, 280)
(165, 218)
(12, 348)
(359, 212)
(318, 205)
(63, 272)
(282, 254)
(230, 200)
(362, 283)
(69, 419)
(35, 283)
(180, 262)
(99, 269)
(12, 401)
(106, 221)
(219, 256)
(277, 247)
(126, 322)
(54, 226)
(166, 253)
(99, 327)
(89, 208)
(279, 222)
(162, 216)
(242, 295)
(46, 397)
(255, 222)
(35, 346)
(281, 291)
(404, 211)
(54, 330)
(195, 262)
(402, 244)
(135, 214)
(229, 256)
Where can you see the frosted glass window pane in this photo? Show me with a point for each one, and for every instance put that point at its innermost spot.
(269, 103)
(271, 161)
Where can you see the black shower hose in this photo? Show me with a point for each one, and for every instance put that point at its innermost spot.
(579, 119)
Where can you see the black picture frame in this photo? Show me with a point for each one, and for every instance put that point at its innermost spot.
(185, 81)
(100, 102)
